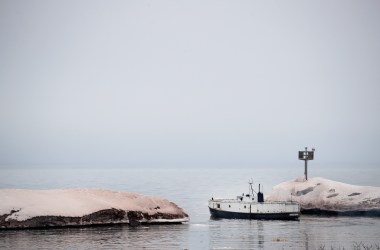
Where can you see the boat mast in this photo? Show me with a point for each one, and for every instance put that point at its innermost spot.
(250, 191)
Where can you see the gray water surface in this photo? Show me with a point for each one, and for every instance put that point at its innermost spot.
(191, 189)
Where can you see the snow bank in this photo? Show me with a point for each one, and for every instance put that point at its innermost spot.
(319, 195)
(17, 205)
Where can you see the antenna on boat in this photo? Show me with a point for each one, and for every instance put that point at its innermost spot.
(250, 181)
(251, 191)
(306, 156)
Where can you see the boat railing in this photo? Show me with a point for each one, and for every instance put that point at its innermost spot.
(243, 201)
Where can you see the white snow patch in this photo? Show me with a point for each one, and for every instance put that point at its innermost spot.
(326, 194)
(78, 202)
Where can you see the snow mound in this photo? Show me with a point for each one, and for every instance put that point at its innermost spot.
(318, 195)
(19, 205)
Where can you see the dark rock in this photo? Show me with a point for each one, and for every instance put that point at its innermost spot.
(353, 194)
(365, 213)
(102, 217)
(305, 191)
(332, 195)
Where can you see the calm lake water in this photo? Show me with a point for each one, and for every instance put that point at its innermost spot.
(191, 189)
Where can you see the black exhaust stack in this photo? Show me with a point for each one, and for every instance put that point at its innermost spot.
(260, 196)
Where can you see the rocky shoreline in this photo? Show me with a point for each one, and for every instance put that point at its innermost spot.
(320, 196)
(363, 213)
(88, 207)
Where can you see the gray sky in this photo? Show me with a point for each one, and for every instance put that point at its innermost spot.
(189, 83)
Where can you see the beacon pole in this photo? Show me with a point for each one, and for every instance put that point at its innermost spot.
(306, 165)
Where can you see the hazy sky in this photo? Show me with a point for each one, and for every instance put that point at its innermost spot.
(189, 83)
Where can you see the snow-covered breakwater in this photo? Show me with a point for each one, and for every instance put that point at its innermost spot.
(22, 208)
(323, 196)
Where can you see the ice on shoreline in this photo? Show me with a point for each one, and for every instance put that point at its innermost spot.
(22, 205)
(320, 194)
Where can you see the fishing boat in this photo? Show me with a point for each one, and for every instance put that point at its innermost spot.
(253, 206)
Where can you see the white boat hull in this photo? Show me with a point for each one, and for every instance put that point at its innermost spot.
(234, 209)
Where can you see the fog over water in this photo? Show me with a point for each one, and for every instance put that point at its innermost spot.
(188, 83)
